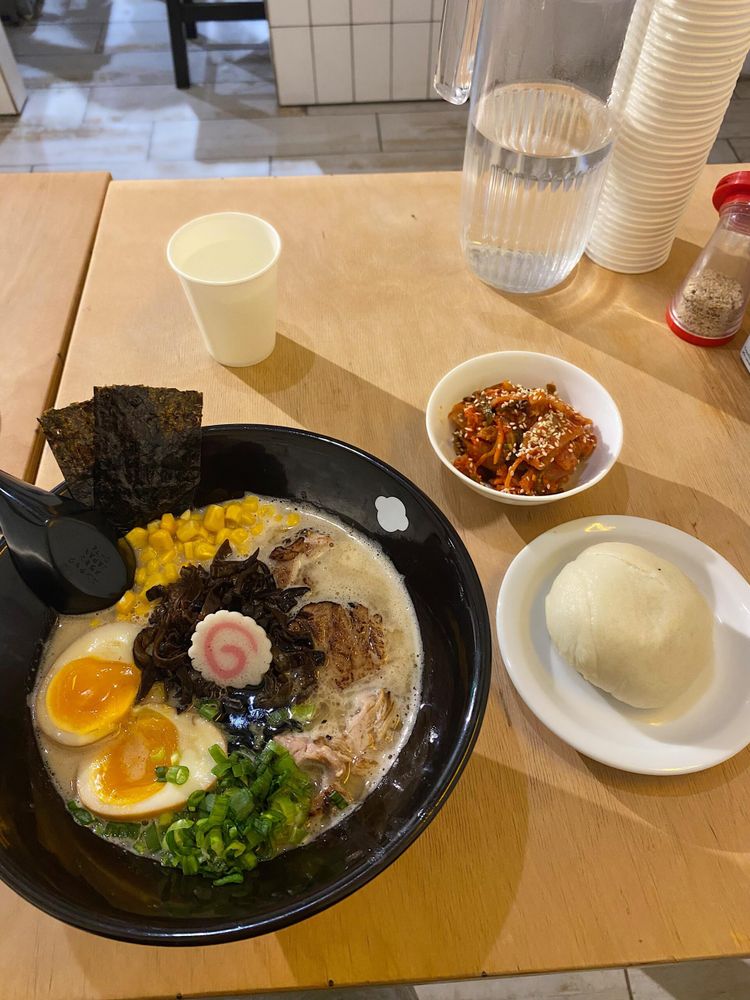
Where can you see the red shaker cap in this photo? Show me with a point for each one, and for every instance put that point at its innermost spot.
(733, 187)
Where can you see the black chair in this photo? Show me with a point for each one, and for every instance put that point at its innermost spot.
(185, 14)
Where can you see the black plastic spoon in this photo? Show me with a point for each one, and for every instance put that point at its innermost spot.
(68, 555)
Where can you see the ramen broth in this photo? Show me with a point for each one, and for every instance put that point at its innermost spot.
(350, 570)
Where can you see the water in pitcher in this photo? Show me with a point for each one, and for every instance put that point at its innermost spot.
(536, 154)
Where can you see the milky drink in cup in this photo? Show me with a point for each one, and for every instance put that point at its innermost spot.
(227, 265)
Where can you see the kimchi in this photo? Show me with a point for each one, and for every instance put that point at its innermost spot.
(519, 440)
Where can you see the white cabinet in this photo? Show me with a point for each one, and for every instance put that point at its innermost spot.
(12, 91)
(336, 52)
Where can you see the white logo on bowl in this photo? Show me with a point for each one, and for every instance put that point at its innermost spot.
(391, 514)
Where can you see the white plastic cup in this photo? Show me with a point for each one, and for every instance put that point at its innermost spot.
(227, 264)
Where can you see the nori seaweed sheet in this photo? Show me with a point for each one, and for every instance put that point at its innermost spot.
(70, 433)
(147, 451)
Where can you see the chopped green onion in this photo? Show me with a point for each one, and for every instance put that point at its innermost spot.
(227, 879)
(303, 713)
(268, 753)
(151, 839)
(209, 710)
(178, 838)
(262, 825)
(241, 803)
(160, 773)
(217, 753)
(190, 864)
(82, 816)
(219, 811)
(337, 799)
(123, 831)
(278, 717)
(178, 775)
(195, 799)
(216, 842)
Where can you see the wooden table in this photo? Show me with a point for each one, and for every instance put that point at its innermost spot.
(541, 859)
(47, 228)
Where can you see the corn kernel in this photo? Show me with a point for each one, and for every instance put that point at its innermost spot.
(292, 520)
(160, 540)
(204, 551)
(155, 580)
(152, 566)
(153, 526)
(168, 523)
(187, 531)
(247, 516)
(203, 533)
(222, 536)
(266, 510)
(277, 517)
(232, 514)
(140, 575)
(126, 602)
(251, 502)
(146, 555)
(137, 537)
(238, 536)
(189, 551)
(166, 557)
(179, 550)
(171, 573)
(185, 515)
(196, 515)
(256, 529)
(213, 519)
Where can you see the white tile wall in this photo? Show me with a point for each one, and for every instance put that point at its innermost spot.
(354, 50)
(293, 63)
(410, 61)
(330, 11)
(285, 13)
(412, 10)
(372, 62)
(371, 11)
(332, 51)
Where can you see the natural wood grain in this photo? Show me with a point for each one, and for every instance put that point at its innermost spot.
(47, 228)
(541, 859)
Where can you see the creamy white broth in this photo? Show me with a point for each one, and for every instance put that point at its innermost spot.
(352, 570)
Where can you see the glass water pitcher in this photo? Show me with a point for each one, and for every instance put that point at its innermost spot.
(541, 127)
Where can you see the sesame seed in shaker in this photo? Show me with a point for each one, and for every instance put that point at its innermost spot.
(708, 307)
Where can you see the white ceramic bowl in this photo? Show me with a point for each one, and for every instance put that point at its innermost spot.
(529, 369)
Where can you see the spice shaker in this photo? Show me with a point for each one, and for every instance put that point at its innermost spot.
(708, 307)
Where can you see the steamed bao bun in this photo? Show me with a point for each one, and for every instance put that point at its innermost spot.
(631, 623)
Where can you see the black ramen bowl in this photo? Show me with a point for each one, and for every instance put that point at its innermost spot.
(70, 873)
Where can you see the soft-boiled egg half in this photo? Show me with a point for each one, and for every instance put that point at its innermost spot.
(90, 687)
(118, 779)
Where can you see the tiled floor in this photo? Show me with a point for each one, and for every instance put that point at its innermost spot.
(721, 980)
(101, 96)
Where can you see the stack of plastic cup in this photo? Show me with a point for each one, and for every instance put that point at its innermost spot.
(681, 82)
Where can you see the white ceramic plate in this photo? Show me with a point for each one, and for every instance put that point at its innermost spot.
(708, 724)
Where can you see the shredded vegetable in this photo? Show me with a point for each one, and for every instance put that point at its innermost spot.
(519, 440)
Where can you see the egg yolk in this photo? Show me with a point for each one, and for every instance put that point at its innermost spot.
(125, 773)
(90, 694)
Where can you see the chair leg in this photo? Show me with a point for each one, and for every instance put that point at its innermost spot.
(191, 30)
(179, 46)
